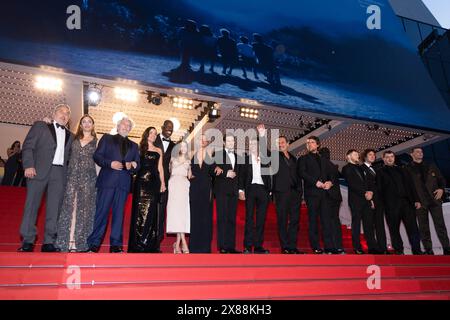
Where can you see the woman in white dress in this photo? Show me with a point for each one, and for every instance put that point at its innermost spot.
(178, 209)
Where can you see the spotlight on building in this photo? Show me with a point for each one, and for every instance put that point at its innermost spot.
(182, 103)
(94, 95)
(126, 94)
(213, 112)
(154, 98)
(249, 113)
(48, 83)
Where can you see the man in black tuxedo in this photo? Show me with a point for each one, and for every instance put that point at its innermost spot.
(334, 197)
(45, 157)
(369, 157)
(288, 192)
(255, 182)
(360, 200)
(429, 184)
(228, 168)
(317, 176)
(166, 145)
(399, 200)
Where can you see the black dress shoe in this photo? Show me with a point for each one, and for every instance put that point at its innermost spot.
(115, 249)
(339, 251)
(223, 251)
(233, 251)
(446, 252)
(247, 250)
(374, 251)
(50, 248)
(285, 251)
(329, 251)
(418, 252)
(385, 252)
(93, 249)
(358, 251)
(296, 251)
(261, 250)
(317, 251)
(429, 252)
(399, 252)
(26, 247)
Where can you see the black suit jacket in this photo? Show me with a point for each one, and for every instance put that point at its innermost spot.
(282, 178)
(335, 191)
(389, 191)
(246, 177)
(166, 156)
(433, 180)
(308, 169)
(371, 179)
(357, 185)
(222, 184)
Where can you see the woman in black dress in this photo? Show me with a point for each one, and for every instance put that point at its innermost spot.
(13, 164)
(201, 199)
(147, 187)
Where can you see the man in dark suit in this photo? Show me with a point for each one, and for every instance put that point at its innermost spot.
(317, 176)
(360, 200)
(255, 182)
(334, 197)
(288, 192)
(166, 145)
(45, 157)
(429, 184)
(228, 168)
(119, 159)
(399, 199)
(369, 157)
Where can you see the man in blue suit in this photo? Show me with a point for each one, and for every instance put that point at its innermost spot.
(118, 158)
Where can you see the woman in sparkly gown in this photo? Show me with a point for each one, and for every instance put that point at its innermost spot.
(76, 218)
(148, 185)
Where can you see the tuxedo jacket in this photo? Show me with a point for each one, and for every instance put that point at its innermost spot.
(357, 185)
(39, 148)
(167, 155)
(284, 180)
(108, 150)
(222, 184)
(308, 169)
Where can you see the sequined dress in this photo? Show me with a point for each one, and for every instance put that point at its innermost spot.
(143, 226)
(77, 213)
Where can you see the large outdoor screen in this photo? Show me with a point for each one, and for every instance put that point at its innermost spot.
(348, 58)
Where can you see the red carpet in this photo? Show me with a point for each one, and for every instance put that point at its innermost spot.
(167, 276)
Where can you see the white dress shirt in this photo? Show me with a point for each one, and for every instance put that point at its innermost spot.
(256, 170)
(165, 143)
(58, 159)
(232, 157)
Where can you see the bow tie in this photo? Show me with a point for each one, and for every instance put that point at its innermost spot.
(230, 152)
(60, 126)
(167, 140)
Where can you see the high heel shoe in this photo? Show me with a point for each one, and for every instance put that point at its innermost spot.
(185, 249)
(176, 248)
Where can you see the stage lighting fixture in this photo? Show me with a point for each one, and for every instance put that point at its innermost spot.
(126, 94)
(153, 98)
(213, 113)
(249, 113)
(48, 83)
(94, 95)
(182, 103)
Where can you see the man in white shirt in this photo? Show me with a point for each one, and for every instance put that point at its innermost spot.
(255, 188)
(45, 156)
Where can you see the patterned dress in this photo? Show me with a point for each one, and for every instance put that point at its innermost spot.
(77, 213)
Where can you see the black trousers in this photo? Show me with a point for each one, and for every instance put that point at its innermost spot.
(336, 227)
(380, 230)
(288, 217)
(365, 214)
(403, 211)
(439, 225)
(318, 206)
(226, 220)
(256, 196)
